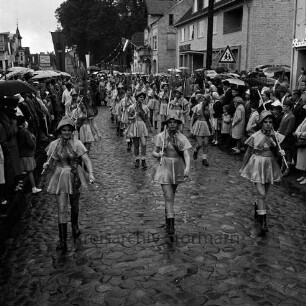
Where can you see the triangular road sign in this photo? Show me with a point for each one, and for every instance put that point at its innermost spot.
(227, 56)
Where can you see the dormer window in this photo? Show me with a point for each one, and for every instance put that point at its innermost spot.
(195, 6)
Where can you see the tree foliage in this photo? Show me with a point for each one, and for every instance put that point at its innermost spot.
(97, 26)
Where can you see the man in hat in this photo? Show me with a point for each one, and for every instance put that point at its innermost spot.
(179, 106)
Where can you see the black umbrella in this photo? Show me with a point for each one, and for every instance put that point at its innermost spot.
(11, 88)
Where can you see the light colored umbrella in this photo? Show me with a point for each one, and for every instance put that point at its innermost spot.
(64, 74)
(17, 69)
(174, 70)
(236, 82)
(183, 68)
(44, 74)
(18, 72)
(200, 70)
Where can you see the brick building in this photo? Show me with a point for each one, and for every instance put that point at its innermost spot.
(258, 32)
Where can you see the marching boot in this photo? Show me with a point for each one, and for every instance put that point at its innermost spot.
(118, 131)
(137, 163)
(60, 234)
(62, 227)
(156, 125)
(129, 146)
(144, 164)
(121, 133)
(74, 225)
(171, 226)
(263, 225)
(167, 221)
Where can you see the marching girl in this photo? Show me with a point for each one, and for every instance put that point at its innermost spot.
(153, 105)
(164, 98)
(200, 127)
(171, 147)
(260, 166)
(117, 108)
(125, 103)
(64, 155)
(178, 106)
(137, 129)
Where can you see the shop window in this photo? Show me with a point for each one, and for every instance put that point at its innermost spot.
(171, 20)
(232, 20)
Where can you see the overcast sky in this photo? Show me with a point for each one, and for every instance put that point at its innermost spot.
(36, 19)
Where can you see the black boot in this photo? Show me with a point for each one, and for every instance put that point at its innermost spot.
(156, 125)
(195, 155)
(63, 237)
(166, 221)
(129, 146)
(121, 133)
(171, 226)
(255, 212)
(144, 164)
(263, 225)
(137, 163)
(118, 131)
(75, 225)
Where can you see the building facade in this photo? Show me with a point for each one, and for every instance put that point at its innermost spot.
(11, 51)
(158, 54)
(258, 32)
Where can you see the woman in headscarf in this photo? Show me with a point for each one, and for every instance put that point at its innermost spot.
(260, 166)
(65, 155)
(171, 147)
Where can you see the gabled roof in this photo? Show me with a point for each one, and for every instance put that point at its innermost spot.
(158, 7)
(190, 16)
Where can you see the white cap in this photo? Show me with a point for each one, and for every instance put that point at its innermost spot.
(277, 103)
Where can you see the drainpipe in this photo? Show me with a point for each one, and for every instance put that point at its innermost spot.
(293, 50)
(248, 39)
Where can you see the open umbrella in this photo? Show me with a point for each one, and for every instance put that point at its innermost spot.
(11, 88)
(94, 68)
(236, 82)
(183, 68)
(65, 74)
(44, 74)
(276, 69)
(174, 70)
(19, 72)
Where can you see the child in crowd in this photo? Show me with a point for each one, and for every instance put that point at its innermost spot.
(226, 127)
(27, 147)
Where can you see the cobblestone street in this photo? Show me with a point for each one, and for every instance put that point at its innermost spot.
(124, 256)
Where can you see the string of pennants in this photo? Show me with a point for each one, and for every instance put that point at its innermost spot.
(113, 55)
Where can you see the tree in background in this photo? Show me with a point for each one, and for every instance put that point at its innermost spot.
(97, 26)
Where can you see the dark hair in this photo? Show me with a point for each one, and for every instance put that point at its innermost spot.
(254, 104)
(267, 93)
(226, 83)
(289, 102)
(20, 120)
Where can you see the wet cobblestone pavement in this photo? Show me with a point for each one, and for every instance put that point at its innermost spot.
(124, 256)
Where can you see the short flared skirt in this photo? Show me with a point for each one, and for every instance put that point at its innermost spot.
(200, 128)
(260, 169)
(61, 181)
(301, 159)
(27, 164)
(171, 171)
(163, 109)
(86, 134)
(136, 129)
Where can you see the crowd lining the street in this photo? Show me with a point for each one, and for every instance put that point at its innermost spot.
(211, 111)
